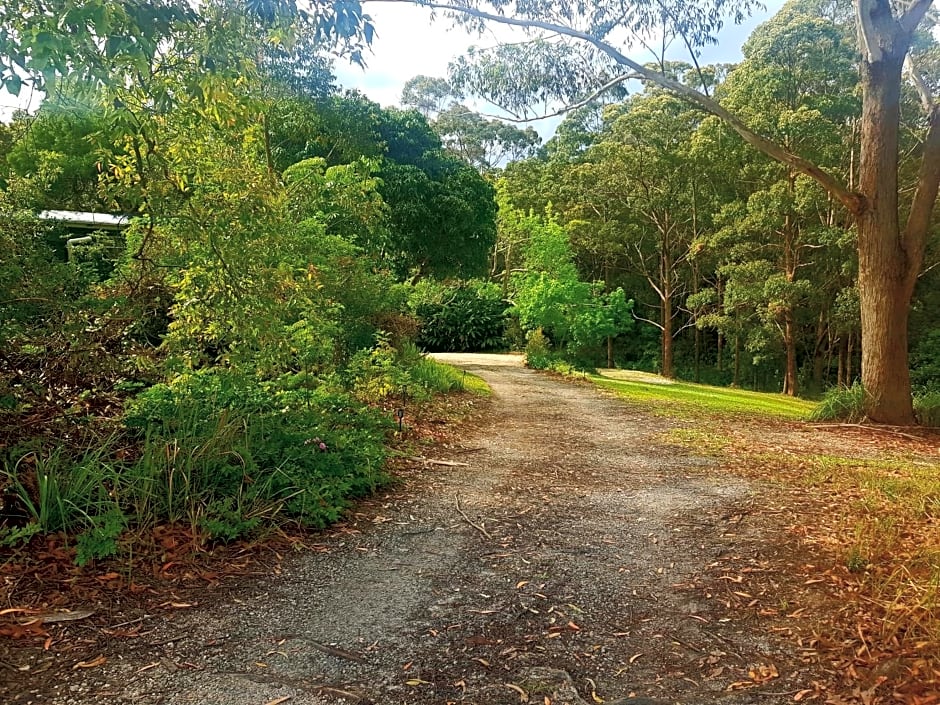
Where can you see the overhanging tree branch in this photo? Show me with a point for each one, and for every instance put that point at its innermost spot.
(574, 106)
(912, 17)
(853, 201)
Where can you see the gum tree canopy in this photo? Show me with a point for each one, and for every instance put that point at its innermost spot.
(578, 53)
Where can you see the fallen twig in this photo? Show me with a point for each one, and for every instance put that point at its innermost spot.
(870, 427)
(61, 616)
(330, 690)
(432, 461)
(129, 622)
(478, 527)
(333, 651)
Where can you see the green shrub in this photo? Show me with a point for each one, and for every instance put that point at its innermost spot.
(925, 362)
(927, 409)
(468, 316)
(841, 404)
(377, 373)
(225, 452)
(538, 350)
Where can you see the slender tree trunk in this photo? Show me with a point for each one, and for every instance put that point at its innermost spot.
(736, 382)
(849, 355)
(610, 352)
(840, 373)
(789, 342)
(698, 354)
(721, 341)
(667, 370)
(884, 280)
(820, 352)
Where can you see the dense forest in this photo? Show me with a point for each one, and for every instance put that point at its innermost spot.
(230, 351)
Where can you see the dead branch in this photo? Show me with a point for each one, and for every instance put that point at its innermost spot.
(870, 427)
(478, 527)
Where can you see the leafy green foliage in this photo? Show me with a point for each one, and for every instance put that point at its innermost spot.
(222, 449)
(538, 350)
(485, 144)
(231, 339)
(549, 295)
(467, 316)
(115, 42)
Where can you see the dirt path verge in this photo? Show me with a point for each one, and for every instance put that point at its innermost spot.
(565, 556)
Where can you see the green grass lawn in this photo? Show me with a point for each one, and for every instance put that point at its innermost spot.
(685, 398)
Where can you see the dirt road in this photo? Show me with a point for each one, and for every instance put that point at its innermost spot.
(565, 563)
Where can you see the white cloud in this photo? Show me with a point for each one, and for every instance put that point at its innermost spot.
(410, 43)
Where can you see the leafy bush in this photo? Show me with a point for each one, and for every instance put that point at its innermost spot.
(376, 374)
(469, 316)
(841, 404)
(925, 362)
(538, 350)
(222, 451)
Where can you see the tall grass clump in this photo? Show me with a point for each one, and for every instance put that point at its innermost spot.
(68, 493)
(841, 404)
(438, 378)
(927, 409)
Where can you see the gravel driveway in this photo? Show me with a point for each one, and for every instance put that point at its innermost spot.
(561, 558)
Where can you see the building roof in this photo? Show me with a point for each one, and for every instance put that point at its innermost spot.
(87, 220)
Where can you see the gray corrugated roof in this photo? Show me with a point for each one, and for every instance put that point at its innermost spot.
(85, 219)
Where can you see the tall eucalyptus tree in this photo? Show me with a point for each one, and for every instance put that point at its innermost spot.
(581, 50)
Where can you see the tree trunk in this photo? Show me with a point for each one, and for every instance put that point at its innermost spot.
(721, 341)
(840, 373)
(821, 353)
(736, 382)
(885, 280)
(667, 370)
(789, 342)
(610, 352)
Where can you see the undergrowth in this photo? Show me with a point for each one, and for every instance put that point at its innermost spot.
(848, 405)
(891, 539)
(223, 454)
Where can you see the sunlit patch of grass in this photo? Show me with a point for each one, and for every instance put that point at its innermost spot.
(702, 441)
(438, 377)
(687, 400)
